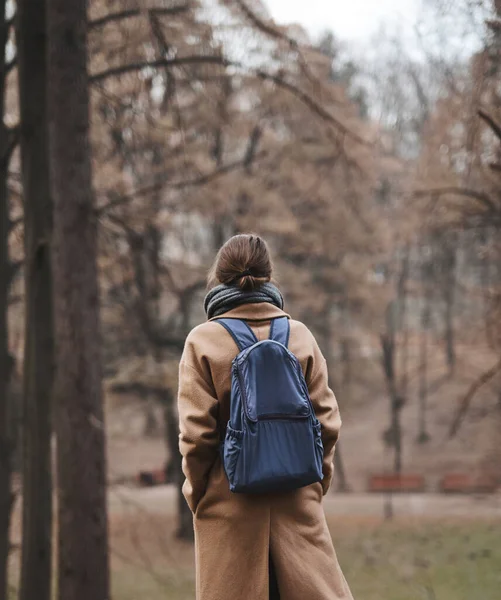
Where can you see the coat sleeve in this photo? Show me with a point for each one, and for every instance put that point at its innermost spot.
(199, 435)
(327, 412)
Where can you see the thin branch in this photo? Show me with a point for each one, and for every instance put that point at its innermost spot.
(305, 98)
(158, 33)
(268, 28)
(113, 18)
(312, 104)
(138, 388)
(136, 12)
(149, 326)
(155, 187)
(272, 31)
(466, 401)
(482, 197)
(495, 127)
(188, 291)
(494, 24)
(252, 145)
(161, 62)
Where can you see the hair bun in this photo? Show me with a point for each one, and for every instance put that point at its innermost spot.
(244, 260)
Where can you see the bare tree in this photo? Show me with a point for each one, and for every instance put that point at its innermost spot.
(396, 382)
(83, 570)
(425, 321)
(35, 580)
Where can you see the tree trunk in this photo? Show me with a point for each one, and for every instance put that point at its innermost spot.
(393, 435)
(339, 470)
(449, 298)
(185, 518)
(7, 435)
(35, 580)
(402, 297)
(326, 343)
(423, 435)
(83, 570)
(345, 350)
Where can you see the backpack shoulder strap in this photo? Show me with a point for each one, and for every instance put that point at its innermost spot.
(280, 330)
(240, 331)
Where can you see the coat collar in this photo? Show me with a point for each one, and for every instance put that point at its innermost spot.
(261, 311)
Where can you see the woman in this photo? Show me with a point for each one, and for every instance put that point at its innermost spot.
(252, 547)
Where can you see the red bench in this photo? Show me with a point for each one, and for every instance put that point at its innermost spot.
(462, 483)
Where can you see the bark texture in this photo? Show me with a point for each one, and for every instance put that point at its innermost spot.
(35, 583)
(83, 571)
(7, 435)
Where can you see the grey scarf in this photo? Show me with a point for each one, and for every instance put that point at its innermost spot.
(223, 298)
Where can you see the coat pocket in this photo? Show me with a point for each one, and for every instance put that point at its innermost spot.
(231, 452)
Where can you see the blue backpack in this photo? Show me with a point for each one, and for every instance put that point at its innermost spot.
(273, 439)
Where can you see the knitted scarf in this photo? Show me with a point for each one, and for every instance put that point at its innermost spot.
(223, 298)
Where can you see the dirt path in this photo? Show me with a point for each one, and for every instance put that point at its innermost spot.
(163, 500)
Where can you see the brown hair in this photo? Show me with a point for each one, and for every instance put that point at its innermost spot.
(243, 260)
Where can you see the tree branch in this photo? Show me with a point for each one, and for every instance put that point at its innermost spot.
(161, 62)
(139, 388)
(494, 24)
(305, 98)
(155, 187)
(271, 30)
(267, 28)
(466, 401)
(312, 104)
(136, 12)
(494, 126)
(252, 145)
(188, 291)
(141, 304)
(482, 197)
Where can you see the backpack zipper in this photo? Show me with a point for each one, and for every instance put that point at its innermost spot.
(243, 392)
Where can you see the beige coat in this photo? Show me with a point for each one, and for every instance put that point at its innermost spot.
(234, 533)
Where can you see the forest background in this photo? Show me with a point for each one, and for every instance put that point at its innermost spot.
(137, 136)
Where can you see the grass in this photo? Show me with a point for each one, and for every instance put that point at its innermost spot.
(430, 561)
(396, 561)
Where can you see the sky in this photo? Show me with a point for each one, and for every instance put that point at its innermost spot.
(350, 20)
